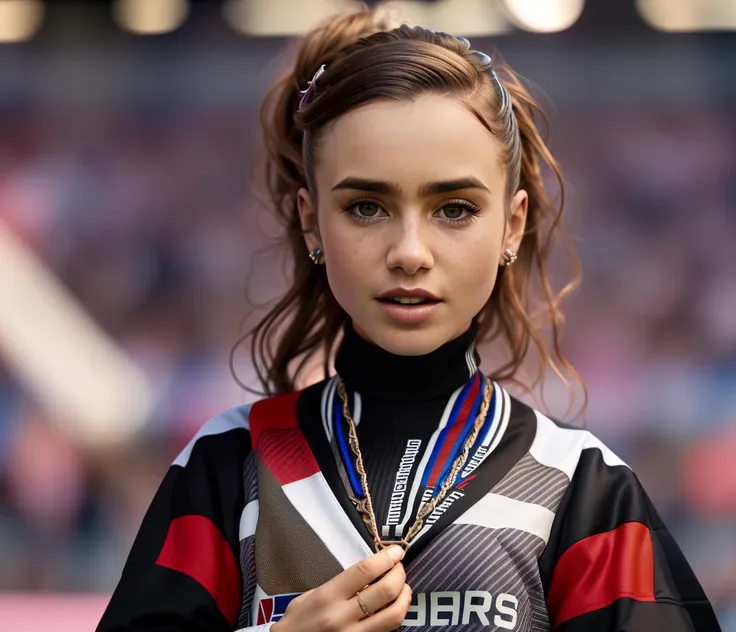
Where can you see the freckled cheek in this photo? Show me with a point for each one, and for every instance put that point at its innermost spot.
(473, 273)
(349, 267)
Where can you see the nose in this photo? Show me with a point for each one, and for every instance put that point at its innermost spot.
(409, 249)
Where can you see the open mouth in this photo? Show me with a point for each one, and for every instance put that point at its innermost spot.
(408, 300)
(410, 310)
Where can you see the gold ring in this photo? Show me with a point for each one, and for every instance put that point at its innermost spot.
(362, 606)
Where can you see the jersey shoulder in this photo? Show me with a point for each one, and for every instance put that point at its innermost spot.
(229, 428)
(562, 446)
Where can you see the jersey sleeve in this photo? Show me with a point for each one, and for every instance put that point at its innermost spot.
(611, 564)
(183, 572)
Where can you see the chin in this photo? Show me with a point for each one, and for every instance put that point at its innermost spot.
(408, 341)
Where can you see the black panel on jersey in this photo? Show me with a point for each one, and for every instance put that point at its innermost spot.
(674, 577)
(635, 616)
(231, 447)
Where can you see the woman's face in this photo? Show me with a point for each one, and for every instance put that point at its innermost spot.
(411, 205)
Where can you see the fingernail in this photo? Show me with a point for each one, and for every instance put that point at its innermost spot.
(395, 553)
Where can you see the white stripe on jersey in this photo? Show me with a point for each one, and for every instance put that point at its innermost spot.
(328, 394)
(498, 512)
(473, 365)
(224, 422)
(357, 408)
(561, 447)
(249, 519)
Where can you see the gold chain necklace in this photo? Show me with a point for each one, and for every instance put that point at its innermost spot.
(365, 506)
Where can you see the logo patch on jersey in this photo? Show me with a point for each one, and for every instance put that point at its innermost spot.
(470, 607)
(271, 609)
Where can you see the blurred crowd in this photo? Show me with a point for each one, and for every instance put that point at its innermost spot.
(151, 221)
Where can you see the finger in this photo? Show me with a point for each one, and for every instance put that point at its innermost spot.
(380, 594)
(359, 575)
(391, 617)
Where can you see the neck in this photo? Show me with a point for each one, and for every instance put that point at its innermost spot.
(371, 370)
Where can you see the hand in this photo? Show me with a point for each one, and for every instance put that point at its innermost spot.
(334, 605)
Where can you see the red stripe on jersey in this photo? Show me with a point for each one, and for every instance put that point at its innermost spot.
(453, 433)
(273, 413)
(278, 440)
(600, 569)
(196, 547)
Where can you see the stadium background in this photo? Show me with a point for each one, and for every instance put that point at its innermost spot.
(130, 226)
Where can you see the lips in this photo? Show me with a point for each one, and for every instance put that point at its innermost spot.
(408, 297)
(409, 306)
(412, 313)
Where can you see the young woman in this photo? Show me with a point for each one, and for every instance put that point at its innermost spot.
(408, 489)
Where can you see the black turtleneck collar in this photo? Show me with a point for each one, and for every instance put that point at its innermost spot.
(371, 370)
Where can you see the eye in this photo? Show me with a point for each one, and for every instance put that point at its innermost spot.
(453, 211)
(364, 210)
(458, 211)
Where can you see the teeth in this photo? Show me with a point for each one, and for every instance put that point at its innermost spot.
(405, 300)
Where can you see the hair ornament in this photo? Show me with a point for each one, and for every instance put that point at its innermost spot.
(309, 90)
(487, 62)
(484, 58)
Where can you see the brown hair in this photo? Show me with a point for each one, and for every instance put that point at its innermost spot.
(365, 60)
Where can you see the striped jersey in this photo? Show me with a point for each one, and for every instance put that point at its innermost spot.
(544, 528)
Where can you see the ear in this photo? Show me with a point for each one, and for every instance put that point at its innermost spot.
(517, 221)
(308, 219)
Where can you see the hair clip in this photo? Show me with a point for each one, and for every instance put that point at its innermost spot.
(309, 90)
(483, 58)
(486, 60)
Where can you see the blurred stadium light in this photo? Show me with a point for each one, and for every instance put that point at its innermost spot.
(20, 19)
(286, 17)
(464, 17)
(279, 17)
(545, 16)
(150, 17)
(688, 15)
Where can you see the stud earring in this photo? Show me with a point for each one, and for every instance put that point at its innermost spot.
(509, 256)
(316, 256)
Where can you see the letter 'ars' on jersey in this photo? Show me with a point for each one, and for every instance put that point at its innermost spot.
(546, 530)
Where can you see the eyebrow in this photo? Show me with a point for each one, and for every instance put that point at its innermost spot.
(425, 190)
